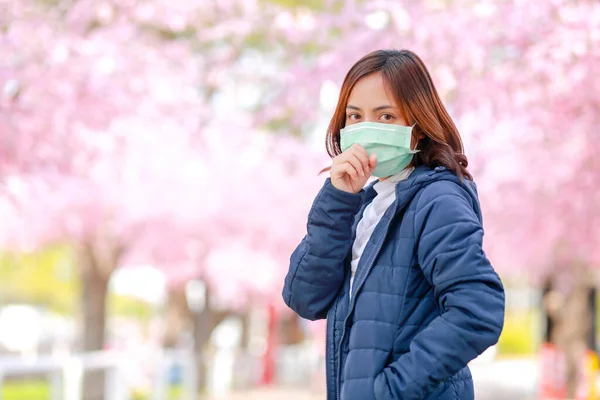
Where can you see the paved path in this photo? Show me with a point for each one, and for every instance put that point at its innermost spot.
(499, 380)
(276, 394)
(505, 380)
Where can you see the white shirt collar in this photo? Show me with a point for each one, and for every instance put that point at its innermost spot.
(389, 184)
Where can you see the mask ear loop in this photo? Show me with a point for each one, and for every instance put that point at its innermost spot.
(412, 131)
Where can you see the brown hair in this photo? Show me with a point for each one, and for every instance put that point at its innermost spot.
(410, 84)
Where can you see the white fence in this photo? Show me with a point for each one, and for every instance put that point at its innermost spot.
(227, 370)
(65, 373)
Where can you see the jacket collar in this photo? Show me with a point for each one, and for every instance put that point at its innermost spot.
(408, 188)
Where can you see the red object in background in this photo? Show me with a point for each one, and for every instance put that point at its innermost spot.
(268, 375)
(552, 373)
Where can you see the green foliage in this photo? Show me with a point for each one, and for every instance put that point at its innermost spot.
(40, 390)
(45, 278)
(48, 278)
(312, 49)
(173, 393)
(257, 40)
(26, 390)
(169, 34)
(518, 336)
(279, 124)
(51, 3)
(128, 306)
(316, 5)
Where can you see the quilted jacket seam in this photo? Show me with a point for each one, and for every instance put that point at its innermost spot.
(436, 198)
(351, 349)
(400, 327)
(455, 390)
(415, 297)
(307, 244)
(377, 321)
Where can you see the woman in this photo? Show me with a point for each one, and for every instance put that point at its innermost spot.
(397, 268)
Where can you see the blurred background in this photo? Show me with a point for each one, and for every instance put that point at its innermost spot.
(158, 159)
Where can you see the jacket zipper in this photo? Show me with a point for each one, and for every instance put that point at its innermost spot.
(337, 371)
(352, 304)
(353, 300)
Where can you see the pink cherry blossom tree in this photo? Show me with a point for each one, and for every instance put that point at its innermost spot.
(113, 139)
(122, 123)
(553, 199)
(520, 87)
(519, 78)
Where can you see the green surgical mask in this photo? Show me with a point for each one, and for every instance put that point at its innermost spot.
(391, 144)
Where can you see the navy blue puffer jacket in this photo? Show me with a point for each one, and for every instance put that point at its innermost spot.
(425, 299)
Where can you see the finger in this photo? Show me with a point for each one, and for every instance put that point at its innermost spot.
(372, 162)
(363, 157)
(358, 149)
(357, 164)
(336, 160)
(350, 170)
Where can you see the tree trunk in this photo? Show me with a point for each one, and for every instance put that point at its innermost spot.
(570, 324)
(245, 339)
(178, 317)
(204, 324)
(96, 267)
(291, 332)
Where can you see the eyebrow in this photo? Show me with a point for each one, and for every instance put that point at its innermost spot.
(351, 107)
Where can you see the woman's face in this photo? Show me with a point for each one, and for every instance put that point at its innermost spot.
(369, 102)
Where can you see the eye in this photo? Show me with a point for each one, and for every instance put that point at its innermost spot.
(386, 117)
(353, 117)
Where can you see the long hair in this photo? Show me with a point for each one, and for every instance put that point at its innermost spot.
(410, 84)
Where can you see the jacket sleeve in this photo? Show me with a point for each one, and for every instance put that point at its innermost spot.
(316, 269)
(469, 294)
